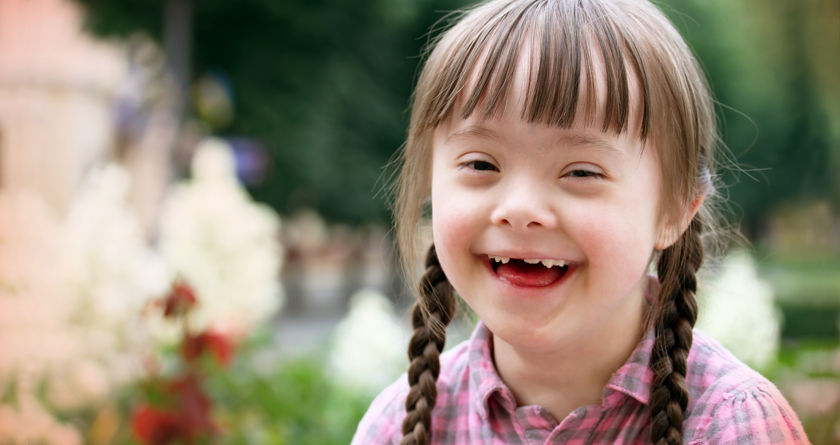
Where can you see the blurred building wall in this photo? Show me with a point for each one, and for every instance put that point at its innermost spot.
(63, 102)
(56, 86)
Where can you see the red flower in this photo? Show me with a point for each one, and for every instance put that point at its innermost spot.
(179, 301)
(194, 409)
(187, 421)
(153, 426)
(221, 347)
(217, 344)
(192, 347)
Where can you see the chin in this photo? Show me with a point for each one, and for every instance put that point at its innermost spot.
(528, 333)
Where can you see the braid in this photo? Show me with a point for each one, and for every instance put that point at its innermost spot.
(430, 315)
(677, 314)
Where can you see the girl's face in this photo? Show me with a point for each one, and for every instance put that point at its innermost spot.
(519, 192)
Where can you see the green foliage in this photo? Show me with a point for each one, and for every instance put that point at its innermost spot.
(810, 322)
(290, 401)
(292, 404)
(809, 377)
(774, 112)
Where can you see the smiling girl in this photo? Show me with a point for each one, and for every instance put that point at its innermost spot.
(565, 146)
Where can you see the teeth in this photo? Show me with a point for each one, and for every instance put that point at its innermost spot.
(546, 262)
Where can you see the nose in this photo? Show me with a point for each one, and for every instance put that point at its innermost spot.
(523, 206)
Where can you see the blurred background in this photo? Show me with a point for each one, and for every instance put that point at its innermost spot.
(195, 242)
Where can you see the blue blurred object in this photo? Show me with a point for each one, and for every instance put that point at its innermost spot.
(253, 165)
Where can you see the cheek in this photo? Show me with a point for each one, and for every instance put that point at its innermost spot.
(457, 214)
(453, 220)
(452, 229)
(620, 236)
(449, 229)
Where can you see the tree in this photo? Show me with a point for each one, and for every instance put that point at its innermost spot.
(778, 101)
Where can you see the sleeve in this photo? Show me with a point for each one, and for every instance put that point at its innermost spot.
(382, 422)
(754, 416)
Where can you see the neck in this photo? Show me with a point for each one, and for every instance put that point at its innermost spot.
(574, 374)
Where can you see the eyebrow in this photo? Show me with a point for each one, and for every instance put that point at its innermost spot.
(582, 140)
(576, 141)
(476, 131)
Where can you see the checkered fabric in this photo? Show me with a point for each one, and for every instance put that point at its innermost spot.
(730, 404)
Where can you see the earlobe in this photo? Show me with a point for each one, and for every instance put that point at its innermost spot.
(667, 236)
(669, 232)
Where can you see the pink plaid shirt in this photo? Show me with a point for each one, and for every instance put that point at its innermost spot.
(730, 404)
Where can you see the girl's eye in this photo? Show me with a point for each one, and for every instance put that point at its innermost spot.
(582, 174)
(480, 166)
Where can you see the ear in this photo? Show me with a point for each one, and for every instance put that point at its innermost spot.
(670, 231)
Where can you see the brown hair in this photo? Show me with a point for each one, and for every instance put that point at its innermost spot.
(471, 69)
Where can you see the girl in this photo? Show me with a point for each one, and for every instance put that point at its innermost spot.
(565, 145)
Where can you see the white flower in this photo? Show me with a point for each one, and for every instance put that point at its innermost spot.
(112, 276)
(70, 295)
(36, 310)
(369, 345)
(79, 383)
(113, 270)
(36, 304)
(737, 310)
(222, 244)
(30, 423)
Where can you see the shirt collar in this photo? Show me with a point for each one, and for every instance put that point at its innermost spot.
(634, 378)
(484, 380)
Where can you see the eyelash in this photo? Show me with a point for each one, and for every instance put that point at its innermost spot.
(586, 174)
(576, 174)
(473, 164)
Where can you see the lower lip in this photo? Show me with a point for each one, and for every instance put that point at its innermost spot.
(527, 290)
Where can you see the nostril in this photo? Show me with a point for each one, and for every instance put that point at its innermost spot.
(523, 216)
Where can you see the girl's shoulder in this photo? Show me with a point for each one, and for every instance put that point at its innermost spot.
(732, 403)
(382, 423)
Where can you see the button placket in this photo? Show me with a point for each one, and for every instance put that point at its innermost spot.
(567, 427)
(535, 426)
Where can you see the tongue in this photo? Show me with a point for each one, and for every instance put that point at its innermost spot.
(521, 273)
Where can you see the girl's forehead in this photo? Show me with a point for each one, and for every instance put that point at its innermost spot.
(523, 89)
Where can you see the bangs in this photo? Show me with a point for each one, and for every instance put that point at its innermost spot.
(578, 66)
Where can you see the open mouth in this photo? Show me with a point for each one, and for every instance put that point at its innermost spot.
(529, 272)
